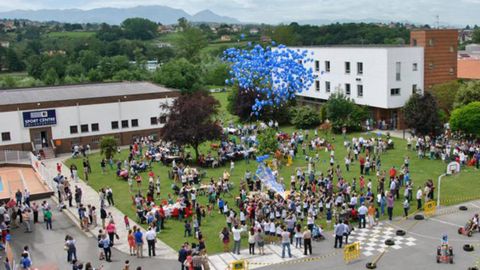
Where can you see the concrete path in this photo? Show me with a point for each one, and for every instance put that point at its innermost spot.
(91, 196)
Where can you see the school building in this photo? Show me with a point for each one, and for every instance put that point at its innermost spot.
(56, 118)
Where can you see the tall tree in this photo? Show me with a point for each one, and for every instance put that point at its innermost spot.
(468, 92)
(343, 112)
(443, 93)
(467, 119)
(108, 146)
(191, 120)
(422, 114)
(179, 74)
(190, 42)
(139, 28)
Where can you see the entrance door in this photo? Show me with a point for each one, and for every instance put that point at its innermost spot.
(40, 137)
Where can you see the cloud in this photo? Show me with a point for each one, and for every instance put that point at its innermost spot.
(274, 11)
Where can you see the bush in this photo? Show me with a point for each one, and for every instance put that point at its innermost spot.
(467, 119)
(343, 112)
(108, 146)
(267, 141)
(304, 117)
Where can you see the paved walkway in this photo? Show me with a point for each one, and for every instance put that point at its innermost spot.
(91, 196)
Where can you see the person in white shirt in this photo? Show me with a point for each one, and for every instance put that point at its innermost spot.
(362, 212)
(151, 238)
(237, 237)
(419, 198)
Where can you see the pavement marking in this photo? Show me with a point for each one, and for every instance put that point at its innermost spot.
(474, 205)
(446, 222)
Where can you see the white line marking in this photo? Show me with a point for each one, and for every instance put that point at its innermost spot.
(474, 205)
(446, 222)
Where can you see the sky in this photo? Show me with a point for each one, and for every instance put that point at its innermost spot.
(451, 12)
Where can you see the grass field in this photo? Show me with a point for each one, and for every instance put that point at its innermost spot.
(71, 34)
(454, 189)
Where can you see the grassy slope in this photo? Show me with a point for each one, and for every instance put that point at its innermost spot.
(452, 187)
(71, 34)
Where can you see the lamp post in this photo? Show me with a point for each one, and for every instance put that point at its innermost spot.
(438, 194)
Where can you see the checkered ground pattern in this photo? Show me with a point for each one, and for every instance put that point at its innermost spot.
(372, 241)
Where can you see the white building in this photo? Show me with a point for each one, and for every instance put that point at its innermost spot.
(382, 78)
(70, 115)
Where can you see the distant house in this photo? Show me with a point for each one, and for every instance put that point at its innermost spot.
(55, 52)
(225, 38)
(465, 35)
(165, 29)
(163, 45)
(469, 62)
(254, 31)
(4, 44)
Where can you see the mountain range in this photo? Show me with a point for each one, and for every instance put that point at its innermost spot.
(156, 13)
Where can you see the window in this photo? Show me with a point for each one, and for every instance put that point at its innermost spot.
(327, 86)
(415, 67)
(414, 42)
(431, 42)
(430, 66)
(414, 89)
(395, 91)
(6, 136)
(398, 68)
(347, 89)
(114, 124)
(73, 129)
(327, 66)
(134, 122)
(95, 127)
(347, 67)
(84, 128)
(153, 121)
(360, 90)
(451, 71)
(359, 68)
(452, 49)
(124, 123)
(163, 119)
(317, 65)
(317, 85)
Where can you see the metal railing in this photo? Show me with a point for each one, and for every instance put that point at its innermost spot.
(43, 171)
(14, 157)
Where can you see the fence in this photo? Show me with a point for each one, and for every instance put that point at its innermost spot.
(42, 170)
(14, 157)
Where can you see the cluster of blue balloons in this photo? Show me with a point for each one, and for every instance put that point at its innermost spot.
(276, 74)
(260, 159)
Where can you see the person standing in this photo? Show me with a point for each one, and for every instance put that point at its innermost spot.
(371, 216)
(103, 216)
(286, 242)
(339, 231)
(236, 231)
(71, 249)
(26, 197)
(251, 242)
(47, 214)
(151, 237)
(307, 241)
(109, 192)
(139, 243)
(362, 212)
(106, 245)
(112, 231)
(419, 198)
(182, 256)
(35, 213)
(390, 203)
(406, 207)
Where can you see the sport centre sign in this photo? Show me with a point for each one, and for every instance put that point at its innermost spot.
(39, 118)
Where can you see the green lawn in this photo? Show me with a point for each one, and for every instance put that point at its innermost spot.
(71, 34)
(454, 189)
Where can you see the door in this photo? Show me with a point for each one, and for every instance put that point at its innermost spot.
(41, 137)
(44, 136)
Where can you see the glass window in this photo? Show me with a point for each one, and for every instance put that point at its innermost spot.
(327, 86)
(153, 121)
(398, 68)
(451, 71)
(6, 136)
(124, 123)
(431, 42)
(414, 89)
(347, 67)
(359, 68)
(114, 124)
(360, 90)
(84, 128)
(347, 89)
(415, 67)
(414, 41)
(317, 65)
(317, 85)
(327, 66)
(134, 122)
(73, 129)
(395, 91)
(95, 127)
(163, 119)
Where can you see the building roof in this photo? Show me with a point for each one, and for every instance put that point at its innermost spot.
(356, 46)
(78, 91)
(468, 69)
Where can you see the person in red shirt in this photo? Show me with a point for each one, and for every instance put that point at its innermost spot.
(362, 164)
(393, 173)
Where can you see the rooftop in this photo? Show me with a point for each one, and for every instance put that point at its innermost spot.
(78, 91)
(358, 46)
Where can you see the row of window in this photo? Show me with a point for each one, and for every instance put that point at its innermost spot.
(6, 136)
(347, 67)
(115, 125)
(348, 89)
(84, 128)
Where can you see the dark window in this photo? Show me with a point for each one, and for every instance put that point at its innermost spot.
(415, 67)
(414, 41)
(347, 89)
(360, 90)
(153, 121)
(347, 67)
(134, 122)
(114, 124)
(95, 127)
(327, 86)
(359, 68)
(124, 123)
(317, 85)
(84, 128)
(317, 65)
(395, 91)
(414, 89)
(6, 136)
(73, 129)
(327, 66)
(163, 119)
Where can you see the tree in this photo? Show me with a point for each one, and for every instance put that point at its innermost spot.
(421, 114)
(50, 77)
(468, 92)
(139, 28)
(74, 70)
(191, 120)
(284, 34)
(88, 59)
(215, 72)
(179, 74)
(443, 93)
(189, 43)
(267, 141)
(304, 117)
(13, 61)
(467, 119)
(108, 146)
(342, 112)
(476, 35)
